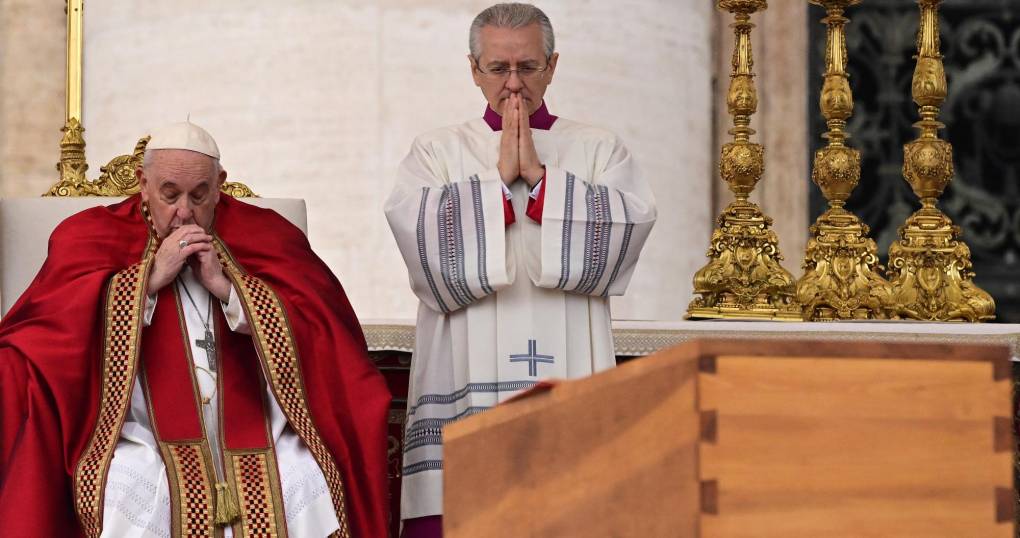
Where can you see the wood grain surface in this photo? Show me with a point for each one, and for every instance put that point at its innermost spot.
(731, 439)
(867, 447)
(612, 455)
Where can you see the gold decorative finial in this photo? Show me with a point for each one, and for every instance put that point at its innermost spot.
(929, 264)
(72, 165)
(841, 271)
(118, 177)
(743, 278)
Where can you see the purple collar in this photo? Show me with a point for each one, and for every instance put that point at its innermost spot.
(541, 119)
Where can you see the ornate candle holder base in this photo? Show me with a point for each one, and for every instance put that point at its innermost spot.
(931, 272)
(841, 272)
(72, 165)
(929, 265)
(744, 280)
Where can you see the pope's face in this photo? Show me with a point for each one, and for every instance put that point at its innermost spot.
(181, 187)
(512, 48)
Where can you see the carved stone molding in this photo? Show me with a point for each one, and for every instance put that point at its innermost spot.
(634, 339)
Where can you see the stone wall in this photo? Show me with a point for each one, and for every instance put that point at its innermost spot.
(32, 69)
(320, 100)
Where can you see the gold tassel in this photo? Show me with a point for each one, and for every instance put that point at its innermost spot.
(226, 505)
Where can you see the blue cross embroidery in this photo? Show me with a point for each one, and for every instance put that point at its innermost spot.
(532, 358)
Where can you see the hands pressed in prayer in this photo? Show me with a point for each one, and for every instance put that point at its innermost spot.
(209, 272)
(198, 253)
(509, 144)
(531, 167)
(518, 158)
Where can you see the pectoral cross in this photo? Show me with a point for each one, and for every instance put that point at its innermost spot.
(209, 345)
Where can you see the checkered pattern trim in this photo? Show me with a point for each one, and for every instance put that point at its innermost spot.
(259, 513)
(120, 354)
(275, 345)
(194, 490)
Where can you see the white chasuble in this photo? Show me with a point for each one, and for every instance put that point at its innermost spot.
(503, 307)
(137, 496)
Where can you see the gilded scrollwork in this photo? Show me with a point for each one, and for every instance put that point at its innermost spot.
(837, 171)
(743, 277)
(842, 277)
(237, 190)
(741, 166)
(932, 273)
(745, 7)
(72, 165)
(929, 264)
(117, 178)
(928, 166)
(981, 47)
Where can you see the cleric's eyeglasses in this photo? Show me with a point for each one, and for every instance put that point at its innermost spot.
(525, 72)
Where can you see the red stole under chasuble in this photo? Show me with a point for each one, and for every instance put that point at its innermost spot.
(71, 348)
(248, 459)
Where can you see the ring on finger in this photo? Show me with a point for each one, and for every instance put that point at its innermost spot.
(182, 243)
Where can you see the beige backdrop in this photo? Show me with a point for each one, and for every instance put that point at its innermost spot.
(320, 100)
(31, 94)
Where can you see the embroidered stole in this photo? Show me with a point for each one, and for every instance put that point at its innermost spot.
(249, 494)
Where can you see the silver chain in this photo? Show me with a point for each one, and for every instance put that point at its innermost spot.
(208, 312)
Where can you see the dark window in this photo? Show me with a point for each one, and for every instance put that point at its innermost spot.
(981, 45)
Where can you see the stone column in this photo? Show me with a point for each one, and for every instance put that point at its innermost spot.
(784, 126)
(321, 100)
(32, 45)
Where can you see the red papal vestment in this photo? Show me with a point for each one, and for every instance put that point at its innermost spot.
(73, 345)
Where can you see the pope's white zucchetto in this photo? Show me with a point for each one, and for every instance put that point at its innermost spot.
(184, 135)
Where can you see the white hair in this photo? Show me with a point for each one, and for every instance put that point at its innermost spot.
(511, 15)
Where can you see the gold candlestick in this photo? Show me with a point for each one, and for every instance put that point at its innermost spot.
(72, 165)
(117, 178)
(841, 271)
(929, 265)
(75, 44)
(743, 278)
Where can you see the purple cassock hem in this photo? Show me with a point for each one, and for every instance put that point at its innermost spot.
(423, 527)
(541, 119)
